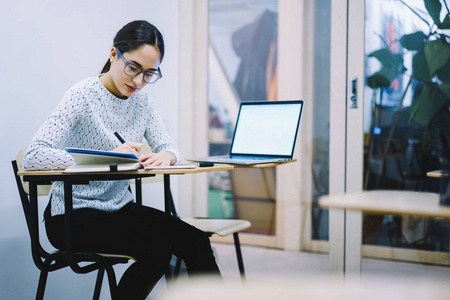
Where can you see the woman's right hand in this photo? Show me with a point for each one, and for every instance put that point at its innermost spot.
(129, 147)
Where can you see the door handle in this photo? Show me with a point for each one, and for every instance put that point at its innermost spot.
(353, 97)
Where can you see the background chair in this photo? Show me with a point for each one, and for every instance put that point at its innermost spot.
(221, 227)
(49, 260)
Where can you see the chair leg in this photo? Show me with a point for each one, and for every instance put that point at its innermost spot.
(112, 281)
(237, 245)
(98, 283)
(177, 267)
(41, 285)
(168, 273)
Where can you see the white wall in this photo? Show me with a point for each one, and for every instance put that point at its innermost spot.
(48, 45)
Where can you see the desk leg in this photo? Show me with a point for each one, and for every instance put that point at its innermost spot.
(68, 217)
(337, 242)
(138, 183)
(168, 209)
(167, 194)
(353, 242)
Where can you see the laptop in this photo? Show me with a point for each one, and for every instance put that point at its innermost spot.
(265, 132)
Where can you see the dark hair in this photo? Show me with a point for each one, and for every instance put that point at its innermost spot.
(134, 35)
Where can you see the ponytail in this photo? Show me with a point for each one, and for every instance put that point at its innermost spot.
(106, 67)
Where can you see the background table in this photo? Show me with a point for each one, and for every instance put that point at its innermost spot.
(346, 246)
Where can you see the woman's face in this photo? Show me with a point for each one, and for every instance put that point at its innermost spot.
(120, 84)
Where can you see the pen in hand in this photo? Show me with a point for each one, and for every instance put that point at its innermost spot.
(134, 148)
(119, 137)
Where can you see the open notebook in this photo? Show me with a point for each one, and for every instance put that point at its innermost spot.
(88, 160)
(265, 132)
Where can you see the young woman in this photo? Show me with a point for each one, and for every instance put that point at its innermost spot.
(106, 219)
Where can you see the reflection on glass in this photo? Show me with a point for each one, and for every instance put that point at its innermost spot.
(242, 67)
(406, 113)
(321, 118)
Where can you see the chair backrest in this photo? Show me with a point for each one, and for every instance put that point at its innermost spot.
(23, 195)
(22, 186)
(37, 250)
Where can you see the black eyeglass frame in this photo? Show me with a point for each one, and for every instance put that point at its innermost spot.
(153, 72)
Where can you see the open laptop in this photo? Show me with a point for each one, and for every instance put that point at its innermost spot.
(265, 132)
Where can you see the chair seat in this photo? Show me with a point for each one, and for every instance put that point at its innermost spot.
(124, 258)
(222, 227)
(116, 256)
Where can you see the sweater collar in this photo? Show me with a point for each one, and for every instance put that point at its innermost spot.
(110, 99)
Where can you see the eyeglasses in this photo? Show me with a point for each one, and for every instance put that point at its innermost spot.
(134, 70)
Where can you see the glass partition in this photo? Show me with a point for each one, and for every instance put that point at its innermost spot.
(242, 67)
(321, 117)
(406, 113)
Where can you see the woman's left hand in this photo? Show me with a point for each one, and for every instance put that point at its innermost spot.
(165, 158)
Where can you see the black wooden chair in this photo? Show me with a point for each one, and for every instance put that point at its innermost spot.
(49, 260)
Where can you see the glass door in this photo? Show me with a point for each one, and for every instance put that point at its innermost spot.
(396, 117)
(407, 68)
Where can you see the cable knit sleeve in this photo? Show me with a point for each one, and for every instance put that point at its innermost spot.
(46, 150)
(157, 135)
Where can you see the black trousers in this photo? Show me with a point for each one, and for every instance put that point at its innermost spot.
(147, 234)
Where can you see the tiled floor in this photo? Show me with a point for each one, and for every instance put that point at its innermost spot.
(264, 265)
(264, 268)
(260, 261)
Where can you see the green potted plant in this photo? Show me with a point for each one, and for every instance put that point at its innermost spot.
(430, 71)
(430, 68)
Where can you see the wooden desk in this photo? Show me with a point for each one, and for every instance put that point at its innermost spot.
(46, 177)
(345, 247)
(132, 174)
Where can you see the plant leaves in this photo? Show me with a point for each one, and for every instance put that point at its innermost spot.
(420, 109)
(392, 65)
(444, 73)
(413, 41)
(420, 67)
(437, 54)
(434, 9)
(446, 89)
(387, 58)
(382, 78)
(442, 120)
(446, 23)
(427, 104)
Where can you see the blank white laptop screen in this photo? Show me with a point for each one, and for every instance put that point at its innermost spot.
(266, 129)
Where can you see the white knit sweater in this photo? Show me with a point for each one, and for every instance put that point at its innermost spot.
(87, 117)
